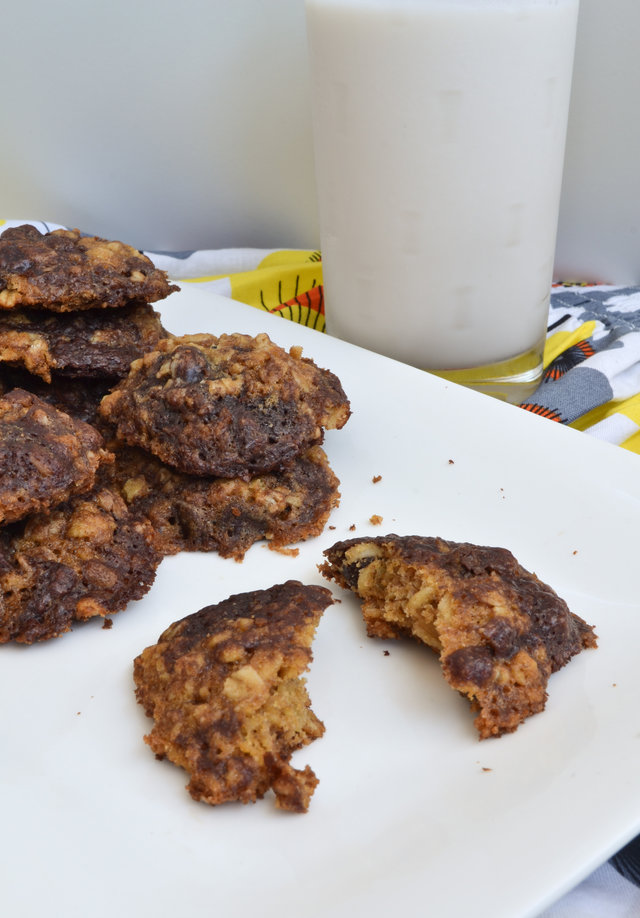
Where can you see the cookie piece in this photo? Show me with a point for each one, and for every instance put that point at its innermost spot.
(91, 343)
(499, 631)
(77, 397)
(64, 270)
(226, 515)
(224, 688)
(45, 455)
(233, 406)
(86, 558)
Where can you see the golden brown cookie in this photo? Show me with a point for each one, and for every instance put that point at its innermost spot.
(90, 343)
(226, 515)
(224, 689)
(64, 270)
(498, 630)
(86, 558)
(45, 455)
(233, 406)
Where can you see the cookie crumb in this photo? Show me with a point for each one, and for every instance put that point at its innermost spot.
(352, 527)
(376, 479)
(451, 462)
(107, 623)
(290, 552)
(375, 520)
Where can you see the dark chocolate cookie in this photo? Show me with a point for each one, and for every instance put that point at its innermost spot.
(45, 455)
(233, 406)
(65, 270)
(224, 689)
(499, 631)
(226, 515)
(76, 396)
(91, 343)
(86, 558)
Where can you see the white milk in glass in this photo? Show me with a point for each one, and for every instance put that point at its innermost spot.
(599, 224)
(439, 130)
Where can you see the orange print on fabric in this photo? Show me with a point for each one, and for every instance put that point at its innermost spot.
(569, 359)
(543, 412)
(306, 308)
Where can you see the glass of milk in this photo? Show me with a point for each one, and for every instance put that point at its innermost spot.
(439, 133)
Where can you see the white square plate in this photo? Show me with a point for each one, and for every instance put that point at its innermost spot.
(413, 814)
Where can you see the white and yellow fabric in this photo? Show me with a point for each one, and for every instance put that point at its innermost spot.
(286, 282)
(592, 363)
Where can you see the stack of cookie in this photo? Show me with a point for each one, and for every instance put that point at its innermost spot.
(74, 312)
(217, 443)
(211, 443)
(69, 548)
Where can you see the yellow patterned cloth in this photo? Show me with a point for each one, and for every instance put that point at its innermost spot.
(285, 282)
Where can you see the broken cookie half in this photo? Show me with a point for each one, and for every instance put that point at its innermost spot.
(498, 630)
(225, 691)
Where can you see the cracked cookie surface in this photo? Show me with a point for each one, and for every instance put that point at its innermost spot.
(499, 631)
(233, 406)
(64, 270)
(224, 689)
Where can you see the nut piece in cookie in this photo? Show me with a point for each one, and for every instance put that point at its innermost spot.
(45, 455)
(498, 630)
(86, 558)
(91, 343)
(65, 270)
(226, 515)
(225, 691)
(233, 406)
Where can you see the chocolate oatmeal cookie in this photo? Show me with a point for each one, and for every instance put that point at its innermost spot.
(91, 343)
(498, 630)
(86, 558)
(64, 270)
(233, 406)
(224, 689)
(226, 515)
(45, 455)
(76, 396)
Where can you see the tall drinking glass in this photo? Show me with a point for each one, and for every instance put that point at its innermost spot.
(439, 134)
